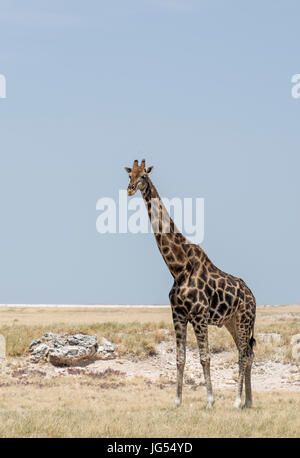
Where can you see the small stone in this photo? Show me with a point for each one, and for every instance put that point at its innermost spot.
(105, 350)
(48, 336)
(108, 346)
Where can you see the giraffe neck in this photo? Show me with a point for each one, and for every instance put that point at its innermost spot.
(170, 241)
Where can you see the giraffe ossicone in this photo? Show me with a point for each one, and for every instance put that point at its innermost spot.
(202, 294)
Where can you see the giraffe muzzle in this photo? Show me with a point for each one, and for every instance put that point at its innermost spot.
(131, 190)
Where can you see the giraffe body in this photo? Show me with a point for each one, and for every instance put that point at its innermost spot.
(202, 294)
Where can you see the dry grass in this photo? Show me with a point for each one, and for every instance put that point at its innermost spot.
(133, 338)
(108, 408)
(108, 405)
(137, 331)
(31, 316)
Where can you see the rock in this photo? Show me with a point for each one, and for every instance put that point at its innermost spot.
(69, 350)
(38, 350)
(59, 342)
(83, 340)
(34, 343)
(71, 355)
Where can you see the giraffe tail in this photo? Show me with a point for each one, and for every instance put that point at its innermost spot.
(252, 341)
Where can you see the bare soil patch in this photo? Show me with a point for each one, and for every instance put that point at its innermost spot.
(266, 376)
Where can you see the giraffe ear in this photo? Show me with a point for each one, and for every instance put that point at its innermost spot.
(149, 170)
(128, 169)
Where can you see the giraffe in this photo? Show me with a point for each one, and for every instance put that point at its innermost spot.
(202, 294)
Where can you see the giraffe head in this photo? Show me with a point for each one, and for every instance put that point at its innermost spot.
(138, 175)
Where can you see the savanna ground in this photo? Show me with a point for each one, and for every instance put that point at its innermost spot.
(132, 394)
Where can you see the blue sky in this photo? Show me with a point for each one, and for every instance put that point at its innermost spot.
(201, 89)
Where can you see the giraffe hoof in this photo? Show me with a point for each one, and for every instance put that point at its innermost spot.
(247, 405)
(177, 402)
(210, 405)
(210, 402)
(237, 404)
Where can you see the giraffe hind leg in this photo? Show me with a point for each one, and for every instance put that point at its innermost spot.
(245, 365)
(248, 390)
(231, 327)
(238, 400)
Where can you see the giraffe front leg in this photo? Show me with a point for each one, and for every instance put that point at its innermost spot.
(206, 371)
(202, 340)
(180, 330)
